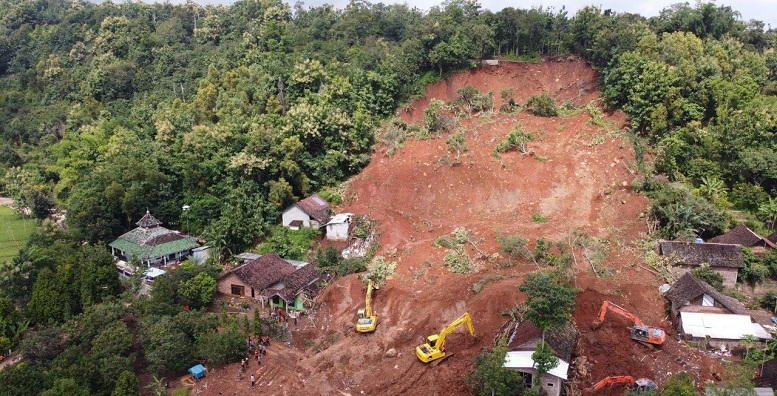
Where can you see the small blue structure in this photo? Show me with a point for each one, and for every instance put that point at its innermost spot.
(197, 371)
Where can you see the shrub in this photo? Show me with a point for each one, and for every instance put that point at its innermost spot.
(709, 275)
(457, 261)
(517, 139)
(477, 287)
(542, 105)
(395, 136)
(380, 269)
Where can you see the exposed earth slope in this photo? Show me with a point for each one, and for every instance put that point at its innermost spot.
(577, 176)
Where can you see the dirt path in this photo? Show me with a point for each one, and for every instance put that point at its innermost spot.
(5, 201)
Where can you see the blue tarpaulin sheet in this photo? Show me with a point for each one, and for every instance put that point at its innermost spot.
(198, 371)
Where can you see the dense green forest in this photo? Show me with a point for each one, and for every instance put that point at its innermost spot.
(109, 109)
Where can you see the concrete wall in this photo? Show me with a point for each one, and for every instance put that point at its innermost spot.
(295, 213)
(550, 383)
(224, 285)
(337, 232)
(729, 274)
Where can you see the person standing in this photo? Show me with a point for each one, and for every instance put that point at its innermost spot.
(253, 380)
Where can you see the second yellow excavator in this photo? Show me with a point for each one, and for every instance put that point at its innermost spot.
(366, 319)
(434, 348)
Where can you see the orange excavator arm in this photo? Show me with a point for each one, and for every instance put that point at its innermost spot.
(616, 379)
(608, 306)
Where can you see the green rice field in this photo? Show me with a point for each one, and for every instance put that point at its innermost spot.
(14, 230)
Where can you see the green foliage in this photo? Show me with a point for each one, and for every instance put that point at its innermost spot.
(754, 271)
(490, 377)
(331, 261)
(221, 347)
(538, 218)
(66, 387)
(514, 246)
(542, 105)
(517, 139)
(380, 269)
(436, 119)
(199, 290)
(289, 244)
(679, 384)
(457, 261)
(544, 360)
(684, 215)
(549, 299)
(126, 385)
(457, 144)
(477, 287)
(709, 275)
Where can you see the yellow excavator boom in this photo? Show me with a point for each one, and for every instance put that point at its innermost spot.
(366, 320)
(434, 348)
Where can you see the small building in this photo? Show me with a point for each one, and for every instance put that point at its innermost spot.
(742, 235)
(200, 254)
(312, 211)
(270, 279)
(339, 228)
(153, 244)
(725, 259)
(562, 342)
(288, 293)
(699, 312)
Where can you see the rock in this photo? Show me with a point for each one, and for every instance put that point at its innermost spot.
(391, 353)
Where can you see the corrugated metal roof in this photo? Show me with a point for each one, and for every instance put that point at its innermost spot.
(721, 326)
(523, 360)
(341, 218)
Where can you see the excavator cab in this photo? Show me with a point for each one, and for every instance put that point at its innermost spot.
(644, 385)
(647, 334)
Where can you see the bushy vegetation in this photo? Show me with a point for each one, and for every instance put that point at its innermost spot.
(107, 110)
(542, 105)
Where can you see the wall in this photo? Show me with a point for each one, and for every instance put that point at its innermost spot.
(224, 285)
(729, 274)
(337, 232)
(295, 213)
(550, 384)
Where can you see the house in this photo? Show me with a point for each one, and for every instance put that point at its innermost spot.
(339, 228)
(288, 293)
(270, 278)
(700, 312)
(744, 236)
(152, 244)
(310, 212)
(725, 259)
(715, 391)
(562, 342)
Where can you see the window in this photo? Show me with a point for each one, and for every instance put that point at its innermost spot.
(549, 384)
(238, 290)
(707, 301)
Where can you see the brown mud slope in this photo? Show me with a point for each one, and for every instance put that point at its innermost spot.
(577, 176)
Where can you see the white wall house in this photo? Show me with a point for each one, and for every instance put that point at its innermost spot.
(312, 211)
(338, 228)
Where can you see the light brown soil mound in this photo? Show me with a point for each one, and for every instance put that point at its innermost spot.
(577, 177)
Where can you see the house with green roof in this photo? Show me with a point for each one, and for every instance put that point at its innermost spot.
(153, 244)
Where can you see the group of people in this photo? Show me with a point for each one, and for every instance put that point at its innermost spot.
(259, 348)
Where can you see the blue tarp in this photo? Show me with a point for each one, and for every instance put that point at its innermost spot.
(198, 371)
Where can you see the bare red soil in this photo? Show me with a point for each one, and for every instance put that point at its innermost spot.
(578, 177)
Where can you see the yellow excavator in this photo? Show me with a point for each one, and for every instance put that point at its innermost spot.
(366, 319)
(434, 348)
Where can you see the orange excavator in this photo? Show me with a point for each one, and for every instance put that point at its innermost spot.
(640, 332)
(639, 385)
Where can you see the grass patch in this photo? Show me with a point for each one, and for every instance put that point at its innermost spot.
(14, 231)
(477, 287)
(538, 218)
